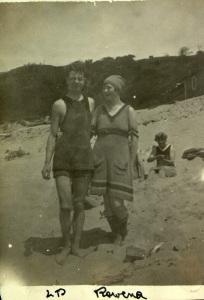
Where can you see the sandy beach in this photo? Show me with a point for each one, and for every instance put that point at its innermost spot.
(167, 213)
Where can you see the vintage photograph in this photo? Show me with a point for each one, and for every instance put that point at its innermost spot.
(101, 143)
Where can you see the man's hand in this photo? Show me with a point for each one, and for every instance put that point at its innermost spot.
(46, 171)
(160, 156)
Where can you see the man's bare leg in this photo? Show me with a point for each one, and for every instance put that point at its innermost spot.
(66, 223)
(64, 193)
(80, 189)
(78, 224)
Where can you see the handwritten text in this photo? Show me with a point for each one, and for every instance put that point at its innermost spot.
(57, 293)
(103, 292)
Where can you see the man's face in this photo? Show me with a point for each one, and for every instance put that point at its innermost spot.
(161, 143)
(75, 81)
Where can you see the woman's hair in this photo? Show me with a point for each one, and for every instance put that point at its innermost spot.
(117, 81)
(160, 136)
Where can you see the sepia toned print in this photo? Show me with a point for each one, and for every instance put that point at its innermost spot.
(102, 151)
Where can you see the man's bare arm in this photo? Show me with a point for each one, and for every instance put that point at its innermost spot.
(50, 147)
(152, 155)
(91, 105)
(172, 154)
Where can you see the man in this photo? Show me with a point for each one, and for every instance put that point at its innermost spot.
(164, 155)
(72, 156)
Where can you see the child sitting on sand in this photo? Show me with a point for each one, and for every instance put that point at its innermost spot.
(164, 154)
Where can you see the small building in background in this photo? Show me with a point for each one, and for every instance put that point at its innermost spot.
(190, 86)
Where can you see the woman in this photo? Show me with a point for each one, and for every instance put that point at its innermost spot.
(114, 154)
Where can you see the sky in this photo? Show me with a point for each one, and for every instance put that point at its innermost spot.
(61, 32)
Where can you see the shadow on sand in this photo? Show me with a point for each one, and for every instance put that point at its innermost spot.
(51, 246)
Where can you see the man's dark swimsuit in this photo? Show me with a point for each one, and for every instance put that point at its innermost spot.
(73, 154)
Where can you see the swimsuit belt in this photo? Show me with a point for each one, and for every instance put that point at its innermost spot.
(107, 131)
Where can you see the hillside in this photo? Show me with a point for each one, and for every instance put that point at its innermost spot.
(166, 212)
(29, 91)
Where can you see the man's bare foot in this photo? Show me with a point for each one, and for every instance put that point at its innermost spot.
(62, 255)
(77, 251)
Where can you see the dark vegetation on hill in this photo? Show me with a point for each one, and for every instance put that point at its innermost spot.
(28, 92)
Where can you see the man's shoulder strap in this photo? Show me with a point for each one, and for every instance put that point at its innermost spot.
(86, 100)
(88, 103)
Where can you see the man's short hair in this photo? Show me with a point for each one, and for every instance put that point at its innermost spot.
(77, 66)
(160, 136)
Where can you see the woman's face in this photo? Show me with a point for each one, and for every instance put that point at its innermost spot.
(75, 81)
(109, 91)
